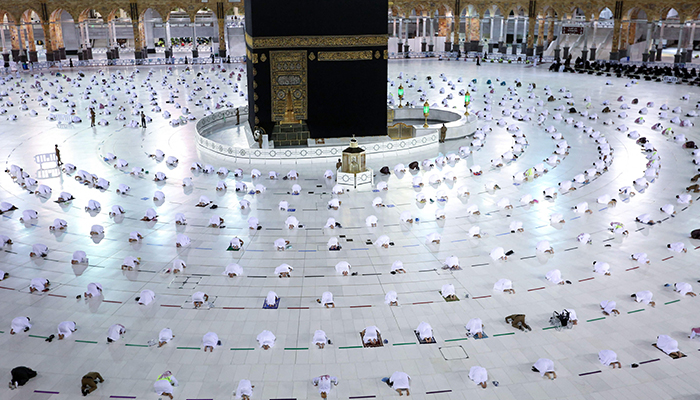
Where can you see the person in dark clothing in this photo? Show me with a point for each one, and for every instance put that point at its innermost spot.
(89, 382)
(20, 376)
(92, 117)
(58, 156)
(143, 120)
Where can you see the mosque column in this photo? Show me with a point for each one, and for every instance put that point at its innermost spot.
(468, 35)
(595, 31)
(448, 34)
(584, 49)
(455, 36)
(424, 40)
(46, 27)
(195, 46)
(624, 39)
(514, 47)
(31, 44)
(530, 39)
(492, 22)
(222, 37)
(550, 31)
(431, 44)
(14, 41)
(138, 42)
(540, 37)
(645, 54)
(2, 38)
(394, 23)
(660, 43)
(502, 40)
(557, 49)
(614, 55)
(400, 48)
(689, 46)
(168, 41)
(677, 57)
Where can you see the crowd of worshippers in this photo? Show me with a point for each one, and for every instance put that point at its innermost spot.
(371, 335)
(647, 72)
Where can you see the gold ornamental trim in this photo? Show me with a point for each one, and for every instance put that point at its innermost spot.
(362, 55)
(315, 41)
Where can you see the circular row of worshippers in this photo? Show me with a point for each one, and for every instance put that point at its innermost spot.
(371, 337)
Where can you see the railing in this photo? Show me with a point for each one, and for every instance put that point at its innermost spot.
(294, 154)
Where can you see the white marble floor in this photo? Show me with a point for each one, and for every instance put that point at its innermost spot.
(438, 371)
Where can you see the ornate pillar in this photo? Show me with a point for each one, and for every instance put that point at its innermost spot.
(617, 15)
(530, 28)
(431, 44)
(595, 31)
(677, 57)
(448, 33)
(540, 36)
(138, 43)
(400, 48)
(689, 46)
(221, 20)
(15, 41)
(584, 50)
(645, 54)
(660, 43)
(557, 49)
(624, 38)
(502, 38)
(550, 30)
(614, 55)
(455, 36)
(514, 48)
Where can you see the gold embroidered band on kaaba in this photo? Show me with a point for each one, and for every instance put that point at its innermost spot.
(315, 41)
(345, 55)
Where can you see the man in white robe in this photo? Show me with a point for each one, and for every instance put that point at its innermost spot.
(327, 300)
(609, 357)
(478, 375)
(164, 384)
(669, 346)
(644, 297)
(320, 339)
(65, 329)
(93, 290)
(684, 288)
(146, 297)
(244, 390)
(324, 384)
(504, 285)
(266, 339)
(115, 332)
(545, 367)
(425, 332)
(198, 299)
(209, 341)
(401, 382)
(165, 336)
(20, 324)
(609, 307)
(475, 328)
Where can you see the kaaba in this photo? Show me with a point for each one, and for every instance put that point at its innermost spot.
(315, 70)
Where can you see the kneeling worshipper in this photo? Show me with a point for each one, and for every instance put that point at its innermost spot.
(545, 367)
(320, 339)
(165, 335)
(65, 329)
(425, 332)
(475, 328)
(233, 270)
(448, 292)
(20, 324)
(20, 376)
(210, 340)
(324, 383)
(684, 289)
(266, 339)
(93, 290)
(164, 384)
(478, 375)
(244, 390)
(669, 346)
(327, 300)
(609, 357)
(371, 336)
(644, 296)
(198, 299)
(400, 381)
(146, 297)
(115, 332)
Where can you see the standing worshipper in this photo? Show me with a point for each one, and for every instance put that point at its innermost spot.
(143, 120)
(58, 157)
(92, 117)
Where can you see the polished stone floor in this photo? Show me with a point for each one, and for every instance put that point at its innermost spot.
(438, 371)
